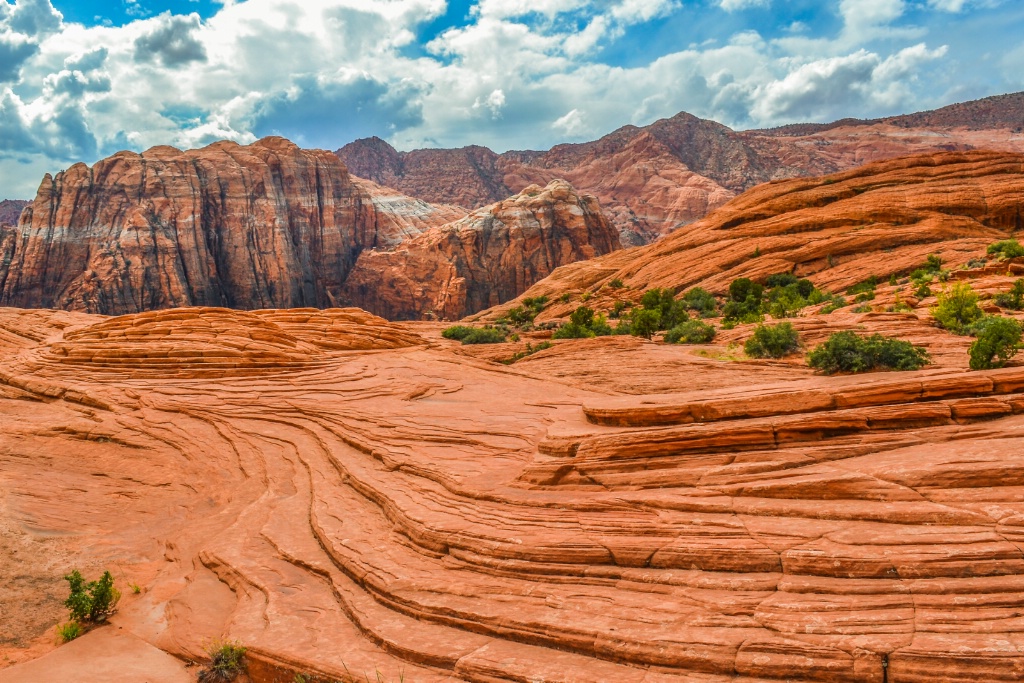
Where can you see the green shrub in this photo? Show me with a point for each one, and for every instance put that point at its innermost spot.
(565, 298)
(745, 302)
(998, 339)
(834, 303)
(957, 308)
(671, 312)
(933, 264)
(475, 335)
(744, 288)
(645, 322)
(865, 308)
(1014, 299)
(536, 303)
(923, 291)
(456, 332)
(617, 309)
(520, 316)
(69, 631)
(1006, 249)
(529, 351)
(93, 601)
(865, 287)
(773, 341)
(616, 284)
(484, 335)
(227, 661)
(849, 352)
(583, 323)
(701, 300)
(691, 332)
(780, 280)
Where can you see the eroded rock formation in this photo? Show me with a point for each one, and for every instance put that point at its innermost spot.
(654, 179)
(267, 225)
(488, 257)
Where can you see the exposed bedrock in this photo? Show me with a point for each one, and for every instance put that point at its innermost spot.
(274, 226)
(263, 226)
(411, 510)
(489, 257)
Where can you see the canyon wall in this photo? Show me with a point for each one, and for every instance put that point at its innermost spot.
(271, 225)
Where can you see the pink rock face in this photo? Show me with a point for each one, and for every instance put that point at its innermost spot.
(392, 504)
(489, 257)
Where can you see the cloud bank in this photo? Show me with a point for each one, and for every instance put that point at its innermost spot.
(508, 74)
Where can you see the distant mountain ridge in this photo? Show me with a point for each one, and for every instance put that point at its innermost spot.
(656, 178)
(10, 210)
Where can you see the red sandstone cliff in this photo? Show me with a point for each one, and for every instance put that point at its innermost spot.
(263, 226)
(488, 257)
(274, 226)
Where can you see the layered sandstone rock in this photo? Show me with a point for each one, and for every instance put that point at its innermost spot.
(881, 219)
(489, 257)
(655, 179)
(267, 225)
(417, 512)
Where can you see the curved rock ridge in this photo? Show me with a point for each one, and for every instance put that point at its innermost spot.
(838, 230)
(213, 342)
(486, 258)
(424, 514)
(264, 225)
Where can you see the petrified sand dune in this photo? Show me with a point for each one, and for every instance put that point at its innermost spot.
(411, 510)
(838, 230)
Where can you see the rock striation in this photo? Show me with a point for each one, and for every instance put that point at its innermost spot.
(653, 179)
(411, 510)
(489, 257)
(881, 219)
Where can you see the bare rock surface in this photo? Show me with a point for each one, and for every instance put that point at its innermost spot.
(10, 210)
(654, 179)
(409, 507)
(488, 257)
(273, 226)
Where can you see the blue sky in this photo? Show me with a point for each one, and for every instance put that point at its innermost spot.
(80, 80)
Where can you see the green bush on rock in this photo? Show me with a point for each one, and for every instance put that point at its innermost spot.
(773, 341)
(850, 352)
(998, 339)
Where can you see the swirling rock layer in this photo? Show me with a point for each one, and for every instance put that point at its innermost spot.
(417, 512)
